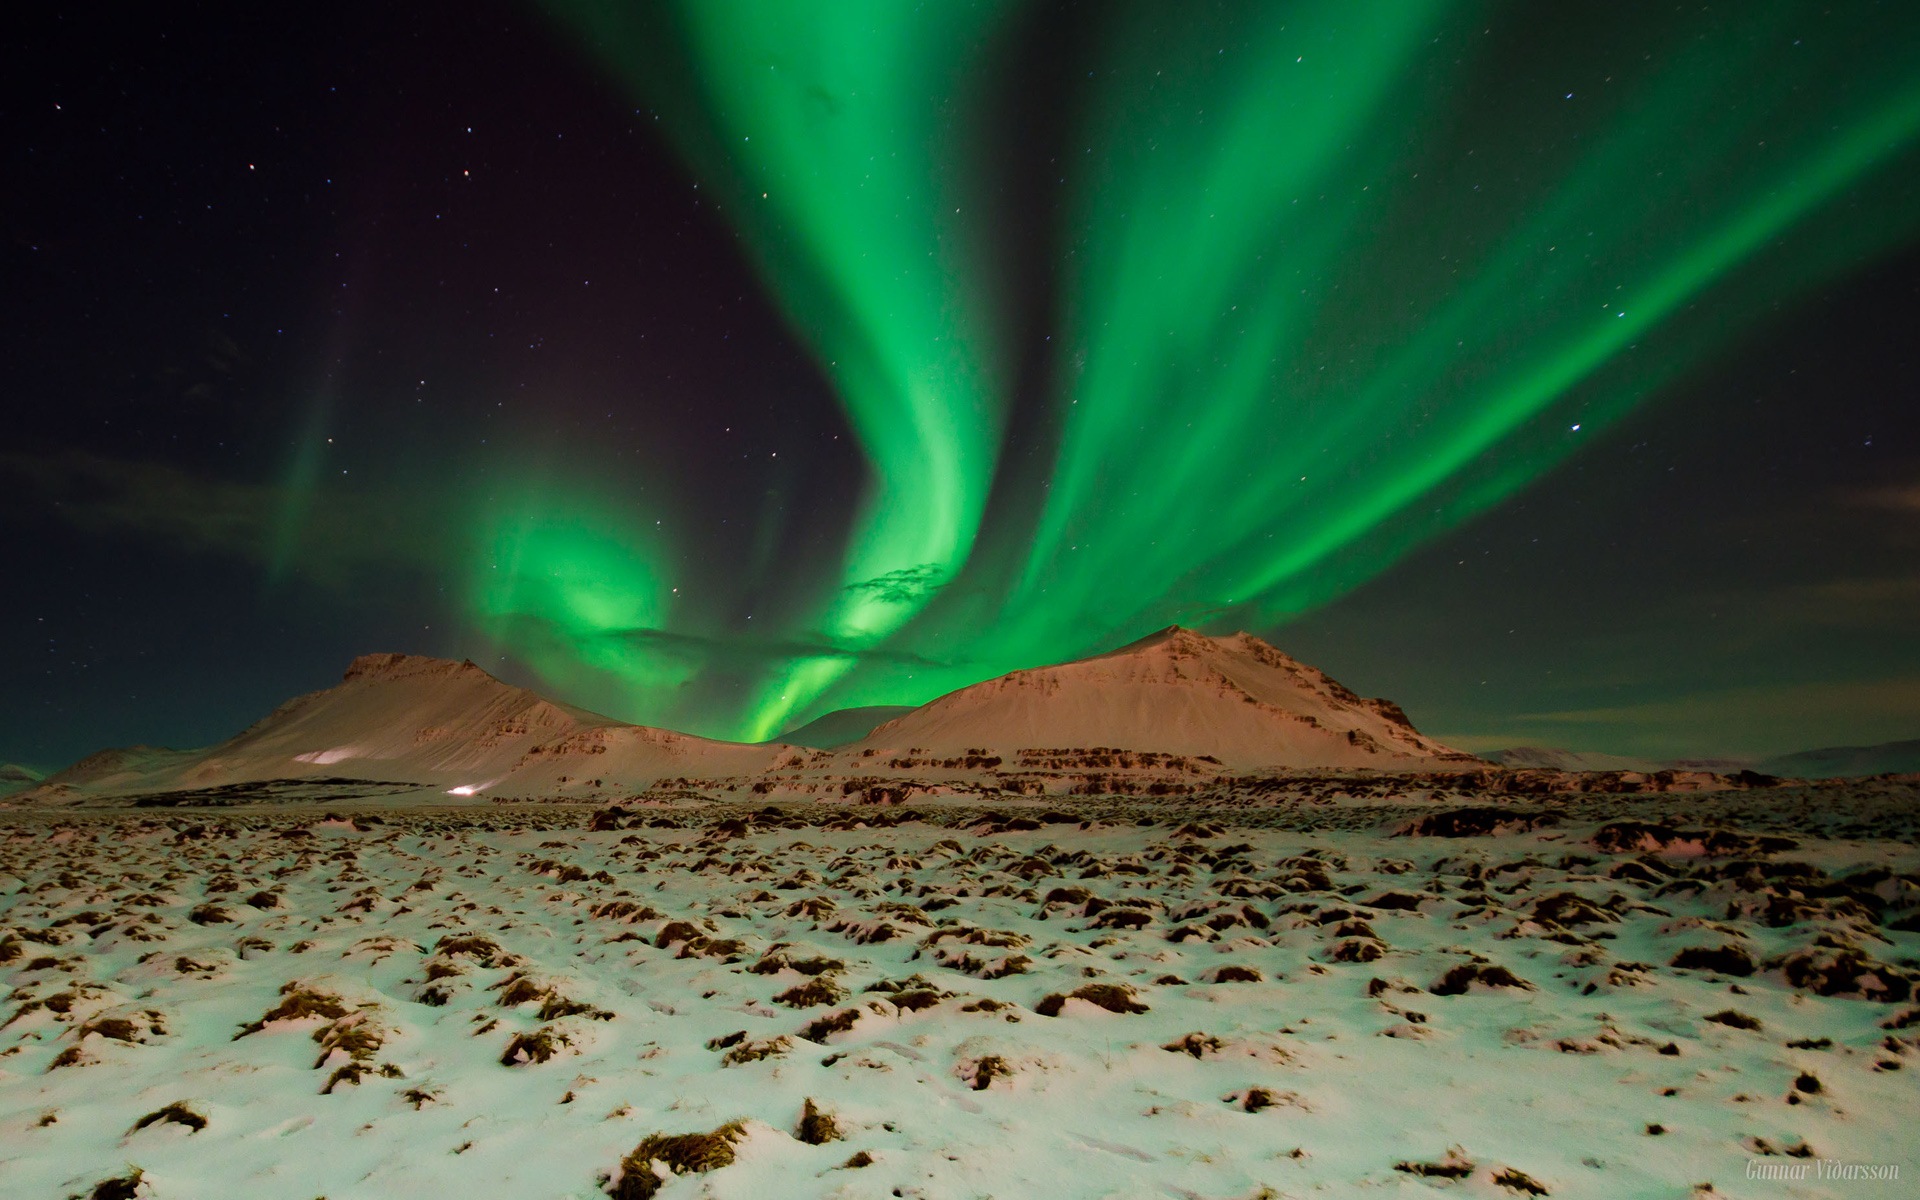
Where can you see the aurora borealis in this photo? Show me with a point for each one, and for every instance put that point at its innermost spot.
(719, 366)
(860, 224)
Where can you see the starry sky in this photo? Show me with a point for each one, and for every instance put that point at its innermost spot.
(1550, 369)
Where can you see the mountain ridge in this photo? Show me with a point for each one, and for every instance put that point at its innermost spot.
(1237, 699)
(1226, 705)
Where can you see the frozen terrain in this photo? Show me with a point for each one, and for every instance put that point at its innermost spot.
(1561, 995)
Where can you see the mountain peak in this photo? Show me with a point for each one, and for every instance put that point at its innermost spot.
(409, 666)
(1176, 638)
(1234, 700)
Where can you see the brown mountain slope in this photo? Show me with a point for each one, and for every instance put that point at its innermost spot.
(427, 721)
(1235, 698)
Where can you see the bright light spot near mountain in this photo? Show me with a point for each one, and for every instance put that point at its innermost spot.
(325, 757)
(465, 789)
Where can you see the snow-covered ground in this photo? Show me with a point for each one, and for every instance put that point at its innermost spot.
(508, 1003)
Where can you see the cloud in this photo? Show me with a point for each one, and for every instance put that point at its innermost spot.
(349, 535)
(149, 499)
(737, 650)
(907, 585)
(1753, 719)
(1857, 600)
(1898, 695)
(1902, 499)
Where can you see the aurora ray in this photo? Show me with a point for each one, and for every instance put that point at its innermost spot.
(1282, 470)
(1270, 403)
(827, 130)
(568, 583)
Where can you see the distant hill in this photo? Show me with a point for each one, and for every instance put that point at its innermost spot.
(1235, 699)
(13, 777)
(1554, 758)
(1840, 762)
(1833, 762)
(842, 727)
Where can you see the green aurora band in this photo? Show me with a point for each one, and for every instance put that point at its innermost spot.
(566, 581)
(1309, 433)
(825, 126)
(1327, 287)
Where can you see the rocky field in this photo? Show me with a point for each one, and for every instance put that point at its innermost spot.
(1578, 996)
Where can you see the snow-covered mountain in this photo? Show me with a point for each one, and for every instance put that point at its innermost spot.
(432, 722)
(449, 727)
(1236, 699)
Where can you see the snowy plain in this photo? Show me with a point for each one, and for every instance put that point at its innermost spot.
(507, 1002)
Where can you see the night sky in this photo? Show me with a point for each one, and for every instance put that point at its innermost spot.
(1551, 369)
